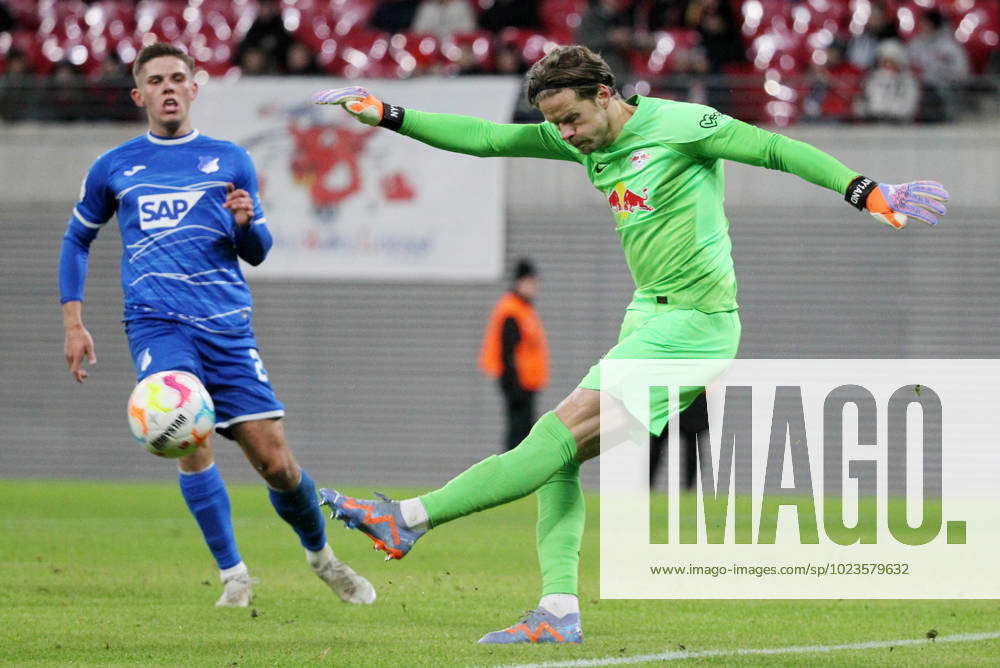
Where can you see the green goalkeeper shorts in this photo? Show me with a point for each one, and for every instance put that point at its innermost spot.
(656, 331)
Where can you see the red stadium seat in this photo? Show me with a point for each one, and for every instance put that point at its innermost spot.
(363, 53)
(348, 15)
(531, 43)
(415, 52)
(25, 12)
(749, 102)
(560, 18)
(979, 32)
(779, 47)
(660, 60)
(476, 45)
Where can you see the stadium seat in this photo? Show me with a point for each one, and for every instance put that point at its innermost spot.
(25, 12)
(415, 52)
(660, 60)
(779, 48)
(560, 18)
(532, 44)
(748, 104)
(477, 45)
(363, 53)
(979, 33)
(313, 30)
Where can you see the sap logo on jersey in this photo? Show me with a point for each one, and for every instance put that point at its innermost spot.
(167, 209)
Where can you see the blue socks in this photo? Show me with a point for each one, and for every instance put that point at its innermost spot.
(207, 499)
(300, 508)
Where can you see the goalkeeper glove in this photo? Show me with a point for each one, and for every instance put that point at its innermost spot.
(893, 205)
(364, 106)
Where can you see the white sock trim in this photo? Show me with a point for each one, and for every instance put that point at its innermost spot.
(238, 569)
(414, 514)
(560, 605)
(195, 472)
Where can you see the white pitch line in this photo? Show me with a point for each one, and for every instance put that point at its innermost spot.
(680, 655)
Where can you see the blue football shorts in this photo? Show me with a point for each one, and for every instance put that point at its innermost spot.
(228, 365)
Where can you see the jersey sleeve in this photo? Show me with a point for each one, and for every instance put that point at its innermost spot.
(485, 139)
(252, 241)
(742, 142)
(94, 208)
(683, 122)
(97, 201)
(247, 180)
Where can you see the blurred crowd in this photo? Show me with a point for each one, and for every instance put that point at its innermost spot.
(763, 60)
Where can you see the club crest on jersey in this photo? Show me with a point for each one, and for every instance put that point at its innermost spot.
(638, 159)
(623, 201)
(166, 209)
(208, 164)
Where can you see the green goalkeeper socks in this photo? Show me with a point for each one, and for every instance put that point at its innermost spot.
(503, 478)
(561, 517)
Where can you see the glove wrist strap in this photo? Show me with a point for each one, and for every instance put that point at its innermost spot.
(392, 117)
(857, 193)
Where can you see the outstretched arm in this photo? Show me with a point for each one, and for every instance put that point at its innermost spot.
(890, 204)
(451, 132)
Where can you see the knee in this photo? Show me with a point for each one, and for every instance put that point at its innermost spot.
(280, 473)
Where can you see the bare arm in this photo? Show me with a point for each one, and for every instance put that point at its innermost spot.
(77, 342)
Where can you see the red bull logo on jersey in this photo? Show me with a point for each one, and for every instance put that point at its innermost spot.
(166, 209)
(623, 201)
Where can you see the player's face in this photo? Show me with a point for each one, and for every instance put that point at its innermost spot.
(583, 123)
(166, 88)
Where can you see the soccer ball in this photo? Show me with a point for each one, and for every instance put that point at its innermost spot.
(171, 414)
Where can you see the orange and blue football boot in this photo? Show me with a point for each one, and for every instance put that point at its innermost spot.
(380, 519)
(538, 626)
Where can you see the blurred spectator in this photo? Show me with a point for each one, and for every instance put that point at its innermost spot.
(254, 62)
(267, 35)
(943, 66)
(831, 86)
(653, 15)
(862, 49)
(64, 94)
(394, 15)
(109, 93)
(444, 17)
(720, 34)
(891, 91)
(606, 28)
(18, 89)
(510, 14)
(507, 60)
(687, 80)
(300, 60)
(721, 39)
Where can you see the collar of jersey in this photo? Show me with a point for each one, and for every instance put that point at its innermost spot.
(171, 141)
(635, 100)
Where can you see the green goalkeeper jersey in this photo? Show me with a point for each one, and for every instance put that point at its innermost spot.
(663, 180)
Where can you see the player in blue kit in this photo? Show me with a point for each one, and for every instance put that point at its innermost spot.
(187, 208)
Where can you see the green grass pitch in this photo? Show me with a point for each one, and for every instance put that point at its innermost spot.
(107, 573)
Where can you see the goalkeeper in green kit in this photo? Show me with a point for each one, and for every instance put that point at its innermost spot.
(659, 164)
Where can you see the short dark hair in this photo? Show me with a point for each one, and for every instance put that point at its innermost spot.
(524, 268)
(575, 67)
(157, 50)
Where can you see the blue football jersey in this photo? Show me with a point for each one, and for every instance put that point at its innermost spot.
(179, 258)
